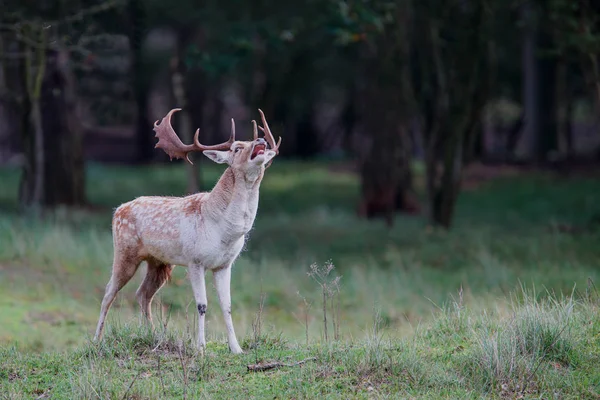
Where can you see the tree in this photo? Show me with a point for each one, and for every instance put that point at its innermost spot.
(540, 66)
(387, 112)
(577, 37)
(197, 66)
(432, 63)
(140, 81)
(576, 28)
(451, 89)
(379, 34)
(38, 42)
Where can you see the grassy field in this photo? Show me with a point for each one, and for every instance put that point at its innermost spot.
(504, 304)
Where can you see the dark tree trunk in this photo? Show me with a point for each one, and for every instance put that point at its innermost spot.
(530, 80)
(457, 76)
(547, 137)
(54, 169)
(568, 129)
(564, 98)
(196, 90)
(178, 81)
(26, 185)
(539, 83)
(215, 122)
(386, 176)
(139, 80)
(306, 133)
(349, 118)
(445, 194)
(307, 143)
(514, 134)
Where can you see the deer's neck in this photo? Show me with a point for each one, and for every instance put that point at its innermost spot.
(234, 200)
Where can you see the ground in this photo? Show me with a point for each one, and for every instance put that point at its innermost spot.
(509, 292)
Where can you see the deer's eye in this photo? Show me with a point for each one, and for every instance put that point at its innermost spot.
(237, 149)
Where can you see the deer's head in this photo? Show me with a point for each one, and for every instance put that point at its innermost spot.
(242, 156)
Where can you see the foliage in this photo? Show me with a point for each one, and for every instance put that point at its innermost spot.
(576, 28)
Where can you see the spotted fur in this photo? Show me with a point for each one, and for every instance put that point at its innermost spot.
(202, 231)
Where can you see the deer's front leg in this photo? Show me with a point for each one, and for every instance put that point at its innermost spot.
(196, 275)
(222, 284)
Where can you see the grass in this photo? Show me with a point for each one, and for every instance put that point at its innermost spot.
(420, 312)
(534, 349)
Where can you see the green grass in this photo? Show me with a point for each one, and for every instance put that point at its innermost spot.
(508, 233)
(538, 349)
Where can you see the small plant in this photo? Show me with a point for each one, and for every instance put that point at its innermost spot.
(307, 307)
(537, 333)
(257, 324)
(330, 288)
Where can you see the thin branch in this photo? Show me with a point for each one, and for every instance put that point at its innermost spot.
(183, 366)
(78, 16)
(541, 359)
(131, 385)
(260, 367)
(162, 383)
(41, 58)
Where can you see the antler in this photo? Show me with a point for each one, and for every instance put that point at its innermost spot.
(255, 130)
(268, 135)
(172, 145)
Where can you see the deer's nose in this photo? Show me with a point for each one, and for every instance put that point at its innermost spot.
(261, 141)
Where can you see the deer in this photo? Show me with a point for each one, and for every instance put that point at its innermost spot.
(201, 231)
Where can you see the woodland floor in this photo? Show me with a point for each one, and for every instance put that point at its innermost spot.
(504, 305)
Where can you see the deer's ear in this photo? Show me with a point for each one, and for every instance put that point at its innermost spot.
(269, 154)
(220, 157)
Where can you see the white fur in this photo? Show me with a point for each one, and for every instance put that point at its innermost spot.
(208, 238)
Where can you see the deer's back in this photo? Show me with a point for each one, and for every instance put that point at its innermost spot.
(172, 229)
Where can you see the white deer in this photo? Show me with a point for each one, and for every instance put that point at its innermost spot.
(203, 231)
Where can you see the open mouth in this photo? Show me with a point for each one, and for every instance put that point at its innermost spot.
(258, 149)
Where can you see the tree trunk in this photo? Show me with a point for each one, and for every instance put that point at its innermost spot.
(215, 122)
(530, 81)
(54, 168)
(447, 192)
(306, 132)
(547, 137)
(514, 134)
(349, 118)
(539, 84)
(9, 112)
(386, 176)
(460, 81)
(178, 80)
(196, 96)
(139, 80)
(564, 99)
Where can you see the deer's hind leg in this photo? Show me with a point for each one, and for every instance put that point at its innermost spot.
(125, 265)
(157, 274)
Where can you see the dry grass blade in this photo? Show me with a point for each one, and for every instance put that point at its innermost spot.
(131, 385)
(260, 367)
(184, 370)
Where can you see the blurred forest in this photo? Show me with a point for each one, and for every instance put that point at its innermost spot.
(381, 84)
(399, 119)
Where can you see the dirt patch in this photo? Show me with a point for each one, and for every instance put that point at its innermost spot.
(347, 168)
(13, 376)
(54, 318)
(517, 390)
(478, 174)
